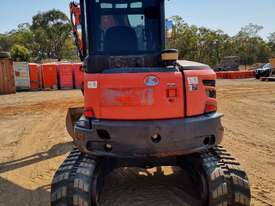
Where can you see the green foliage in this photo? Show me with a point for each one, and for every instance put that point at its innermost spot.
(48, 37)
(20, 53)
(5, 42)
(21, 36)
(250, 31)
(50, 31)
(69, 50)
(210, 46)
(250, 46)
(271, 43)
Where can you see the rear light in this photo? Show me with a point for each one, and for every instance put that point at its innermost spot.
(209, 83)
(210, 88)
(211, 93)
(89, 112)
(211, 107)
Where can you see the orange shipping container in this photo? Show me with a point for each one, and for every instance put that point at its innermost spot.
(35, 76)
(65, 76)
(78, 75)
(49, 76)
(7, 83)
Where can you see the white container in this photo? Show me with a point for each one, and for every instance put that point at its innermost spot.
(22, 76)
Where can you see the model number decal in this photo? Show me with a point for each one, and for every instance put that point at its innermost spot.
(193, 83)
(193, 80)
(92, 85)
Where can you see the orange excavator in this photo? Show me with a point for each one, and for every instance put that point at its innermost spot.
(142, 108)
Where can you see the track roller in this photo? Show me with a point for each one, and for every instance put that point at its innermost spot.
(77, 182)
(220, 180)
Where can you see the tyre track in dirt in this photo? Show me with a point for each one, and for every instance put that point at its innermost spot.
(42, 126)
(250, 132)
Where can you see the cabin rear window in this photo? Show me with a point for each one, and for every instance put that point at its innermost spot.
(131, 27)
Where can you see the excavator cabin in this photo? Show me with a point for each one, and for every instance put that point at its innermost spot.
(131, 29)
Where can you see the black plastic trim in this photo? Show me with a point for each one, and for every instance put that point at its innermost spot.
(131, 139)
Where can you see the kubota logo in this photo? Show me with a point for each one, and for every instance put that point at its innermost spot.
(151, 81)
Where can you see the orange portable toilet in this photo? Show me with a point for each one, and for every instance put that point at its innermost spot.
(65, 76)
(78, 75)
(35, 76)
(49, 76)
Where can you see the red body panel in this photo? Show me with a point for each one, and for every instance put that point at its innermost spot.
(7, 83)
(127, 96)
(35, 76)
(65, 75)
(78, 75)
(196, 97)
(49, 76)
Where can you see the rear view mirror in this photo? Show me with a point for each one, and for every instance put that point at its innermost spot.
(169, 24)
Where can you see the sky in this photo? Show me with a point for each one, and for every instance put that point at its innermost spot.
(227, 15)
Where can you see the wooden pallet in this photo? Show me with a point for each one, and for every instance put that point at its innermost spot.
(268, 79)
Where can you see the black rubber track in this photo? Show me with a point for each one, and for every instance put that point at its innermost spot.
(78, 180)
(227, 183)
(73, 185)
(239, 188)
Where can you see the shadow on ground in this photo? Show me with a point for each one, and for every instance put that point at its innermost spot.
(12, 194)
(124, 187)
(56, 150)
(135, 187)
